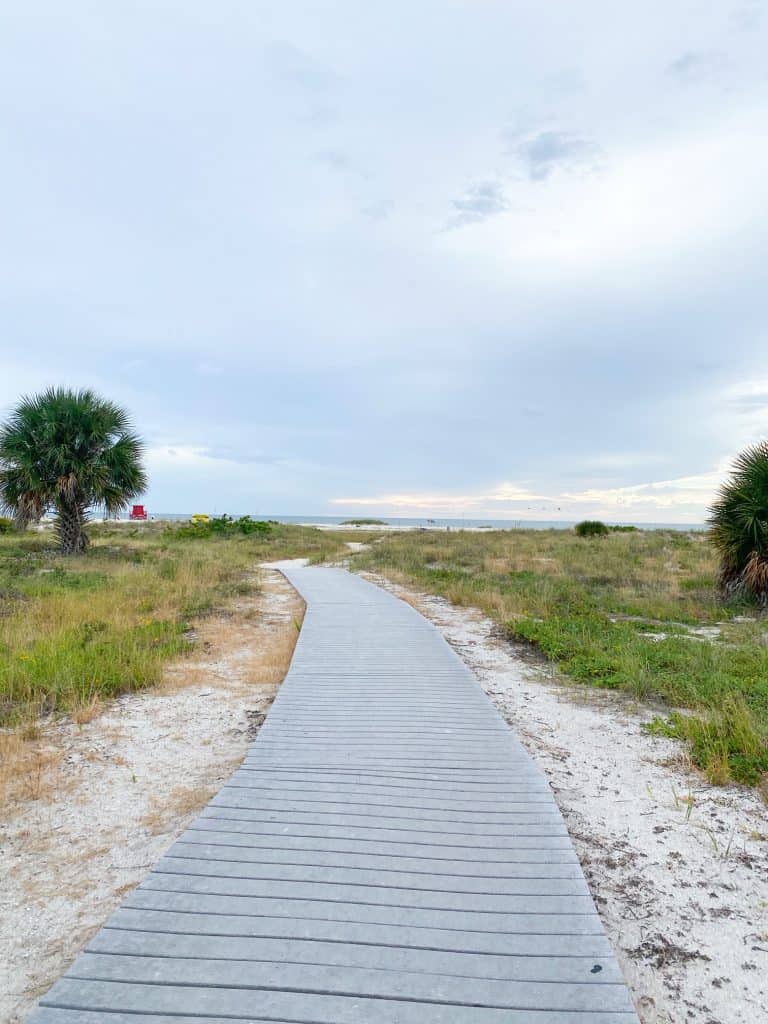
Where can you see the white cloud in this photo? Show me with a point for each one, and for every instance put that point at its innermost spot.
(684, 499)
(579, 331)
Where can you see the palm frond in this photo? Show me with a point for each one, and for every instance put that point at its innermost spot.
(68, 450)
(738, 524)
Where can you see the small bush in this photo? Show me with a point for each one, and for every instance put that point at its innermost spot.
(591, 528)
(6, 524)
(222, 526)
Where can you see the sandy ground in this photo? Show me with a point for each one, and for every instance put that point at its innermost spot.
(120, 788)
(678, 868)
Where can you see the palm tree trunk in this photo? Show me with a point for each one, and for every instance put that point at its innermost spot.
(70, 526)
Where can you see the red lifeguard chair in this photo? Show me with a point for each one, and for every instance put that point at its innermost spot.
(137, 512)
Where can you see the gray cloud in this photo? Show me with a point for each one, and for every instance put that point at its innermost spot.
(245, 300)
(378, 210)
(478, 203)
(334, 159)
(748, 16)
(291, 64)
(551, 151)
(698, 65)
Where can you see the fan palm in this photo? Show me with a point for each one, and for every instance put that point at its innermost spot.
(67, 451)
(738, 526)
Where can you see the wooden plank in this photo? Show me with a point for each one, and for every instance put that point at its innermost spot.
(525, 967)
(403, 881)
(348, 980)
(364, 934)
(319, 1008)
(540, 922)
(387, 853)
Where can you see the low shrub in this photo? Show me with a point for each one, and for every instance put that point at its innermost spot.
(6, 524)
(591, 528)
(222, 526)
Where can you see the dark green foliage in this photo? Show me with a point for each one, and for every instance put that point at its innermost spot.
(6, 524)
(221, 526)
(591, 528)
(738, 526)
(67, 451)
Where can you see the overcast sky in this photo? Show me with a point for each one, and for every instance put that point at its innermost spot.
(489, 258)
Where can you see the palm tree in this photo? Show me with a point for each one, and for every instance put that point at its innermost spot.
(66, 451)
(738, 526)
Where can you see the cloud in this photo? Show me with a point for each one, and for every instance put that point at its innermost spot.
(683, 499)
(747, 403)
(289, 63)
(204, 457)
(569, 315)
(378, 210)
(334, 159)
(697, 66)
(748, 17)
(550, 151)
(478, 203)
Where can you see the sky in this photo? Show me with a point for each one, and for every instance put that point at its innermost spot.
(489, 258)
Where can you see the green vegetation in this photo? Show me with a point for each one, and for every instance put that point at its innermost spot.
(6, 524)
(221, 526)
(591, 528)
(68, 451)
(363, 522)
(739, 526)
(619, 614)
(71, 633)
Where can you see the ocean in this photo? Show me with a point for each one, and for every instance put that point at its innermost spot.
(408, 523)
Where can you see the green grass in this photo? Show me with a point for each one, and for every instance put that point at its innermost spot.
(77, 629)
(588, 603)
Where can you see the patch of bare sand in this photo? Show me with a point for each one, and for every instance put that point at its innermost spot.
(113, 792)
(678, 868)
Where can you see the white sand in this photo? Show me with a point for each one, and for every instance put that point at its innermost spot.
(678, 868)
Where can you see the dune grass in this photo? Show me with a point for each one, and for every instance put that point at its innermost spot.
(76, 630)
(623, 611)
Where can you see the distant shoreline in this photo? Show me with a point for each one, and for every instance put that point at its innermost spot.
(397, 523)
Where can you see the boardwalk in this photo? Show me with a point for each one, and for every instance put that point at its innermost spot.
(387, 854)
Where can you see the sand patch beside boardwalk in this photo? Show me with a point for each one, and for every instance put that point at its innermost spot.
(118, 789)
(678, 868)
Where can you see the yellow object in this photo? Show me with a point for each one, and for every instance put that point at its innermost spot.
(200, 517)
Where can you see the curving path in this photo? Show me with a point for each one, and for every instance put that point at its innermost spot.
(387, 854)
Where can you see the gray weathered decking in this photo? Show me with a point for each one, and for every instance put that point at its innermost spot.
(387, 854)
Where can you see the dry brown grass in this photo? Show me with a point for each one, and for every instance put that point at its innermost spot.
(87, 712)
(250, 644)
(28, 768)
(181, 803)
